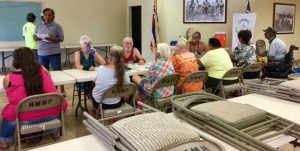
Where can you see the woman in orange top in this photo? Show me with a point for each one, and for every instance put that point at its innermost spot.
(185, 63)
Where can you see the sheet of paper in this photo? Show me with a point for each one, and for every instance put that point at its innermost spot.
(42, 36)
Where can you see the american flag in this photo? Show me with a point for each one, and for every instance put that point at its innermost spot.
(248, 9)
(155, 35)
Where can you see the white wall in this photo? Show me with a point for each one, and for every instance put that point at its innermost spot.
(147, 9)
(103, 20)
(170, 15)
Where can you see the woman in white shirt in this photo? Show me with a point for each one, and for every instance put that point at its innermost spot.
(112, 73)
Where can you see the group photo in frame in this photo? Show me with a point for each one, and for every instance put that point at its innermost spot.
(204, 11)
(284, 18)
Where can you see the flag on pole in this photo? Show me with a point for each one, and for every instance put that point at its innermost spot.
(248, 9)
(155, 35)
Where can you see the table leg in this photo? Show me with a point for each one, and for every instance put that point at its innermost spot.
(79, 101)
(107, 49)
(66, 60)
(85, 103)
(3, 63)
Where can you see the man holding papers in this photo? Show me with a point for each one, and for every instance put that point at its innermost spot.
(49, 34)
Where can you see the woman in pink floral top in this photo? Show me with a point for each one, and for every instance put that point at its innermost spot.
(160, 68)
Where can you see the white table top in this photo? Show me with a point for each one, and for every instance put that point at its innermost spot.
(7, 49)
(85, 143)
(61, 78)
(138, 69)
(84, 76)
(58, 77)
(81, 75)
(286, 109)
(72, 46)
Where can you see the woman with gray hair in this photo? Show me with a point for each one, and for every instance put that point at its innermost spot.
(160, 68)
(185, 63)
(85, 60)
(85, 57)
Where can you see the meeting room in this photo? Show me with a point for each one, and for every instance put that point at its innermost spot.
(150, 75)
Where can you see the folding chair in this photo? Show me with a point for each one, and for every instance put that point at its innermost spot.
(197, 76)
(36, 103)
(236, 72)
(252, 68)
(243, 126)
(167, 81)
(127, 90)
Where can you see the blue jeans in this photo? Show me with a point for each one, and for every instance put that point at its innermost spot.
(53, 60)
(8, 127)
(142, 90)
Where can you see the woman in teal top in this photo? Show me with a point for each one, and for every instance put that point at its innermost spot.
(85, 60)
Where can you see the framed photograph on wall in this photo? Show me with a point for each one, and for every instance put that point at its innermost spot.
(284, 18)
(204, 11)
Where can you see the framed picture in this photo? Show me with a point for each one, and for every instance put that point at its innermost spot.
(284, 18)
(204, 11)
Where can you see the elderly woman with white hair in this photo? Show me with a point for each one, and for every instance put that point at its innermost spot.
(160, 68)
(185, 63)
(85, 60)
(131, 54)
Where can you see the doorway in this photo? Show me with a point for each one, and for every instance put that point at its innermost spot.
(136, 26)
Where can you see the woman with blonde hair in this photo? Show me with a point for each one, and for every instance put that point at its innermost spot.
(112, 73)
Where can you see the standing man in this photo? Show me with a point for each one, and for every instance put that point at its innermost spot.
(277, 48)
(196, 45)
(28, 33)
(49, 34)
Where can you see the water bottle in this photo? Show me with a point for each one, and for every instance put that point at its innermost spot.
(89, 48)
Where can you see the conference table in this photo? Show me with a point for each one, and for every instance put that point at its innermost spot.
(3, 57)
(286, 109)
(58, 77)
(77, 46)
(86, 76)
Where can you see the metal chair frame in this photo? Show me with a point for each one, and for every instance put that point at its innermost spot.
(235, 72)
(198, 76)
(127, 90)
(246, 139)
(35, 103)
(166, 81)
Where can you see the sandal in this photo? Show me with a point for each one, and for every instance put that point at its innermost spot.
(4, 146)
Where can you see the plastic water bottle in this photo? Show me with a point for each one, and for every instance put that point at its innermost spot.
(91, 51)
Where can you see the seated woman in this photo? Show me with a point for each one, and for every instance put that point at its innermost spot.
(160, 68)
(245, 53)
(85, 60)
(132, 54)
(185, 63)
(29, 78)
(108, 75)
(216, 61)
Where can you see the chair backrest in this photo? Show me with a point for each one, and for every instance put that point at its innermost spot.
(233, 72)
(40, 102)
(289, 57)
(260, 46)
(196, 77)
(166, 81)
(254, 67)
(127, 89)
